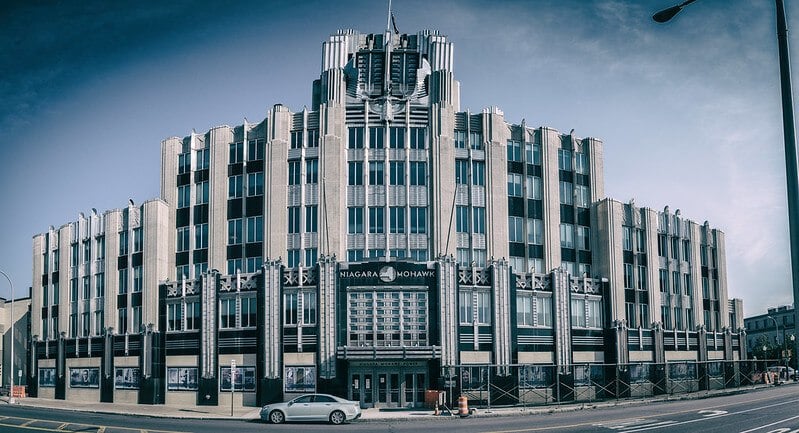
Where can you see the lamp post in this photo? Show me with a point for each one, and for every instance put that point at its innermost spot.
(789, 136)
(776, 332)
(11, 398)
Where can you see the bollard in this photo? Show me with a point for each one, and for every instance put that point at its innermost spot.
(463, 406)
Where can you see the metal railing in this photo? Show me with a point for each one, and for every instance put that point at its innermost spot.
(544, 384)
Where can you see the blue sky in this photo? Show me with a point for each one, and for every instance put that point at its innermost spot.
(689, 111)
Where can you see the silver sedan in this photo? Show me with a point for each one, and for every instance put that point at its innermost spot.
(312, 407)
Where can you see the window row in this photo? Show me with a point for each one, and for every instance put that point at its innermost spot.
(377, 137)
(417, 173)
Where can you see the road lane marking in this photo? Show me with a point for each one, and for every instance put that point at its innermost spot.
(769, 425)
(660, 415)
(61, 427)
(709, 413)
(26, 424)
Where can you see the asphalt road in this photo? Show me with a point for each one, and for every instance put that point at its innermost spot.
(773, 410)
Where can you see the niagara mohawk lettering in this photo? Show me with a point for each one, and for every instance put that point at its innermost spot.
(375, 274)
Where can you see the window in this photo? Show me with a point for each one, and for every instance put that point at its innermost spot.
(578, 313)
(514, 184)
(417, 138)
(630, 312)
(227, 313)
(99, 248)
(74, 253)
(418, 173)
(293, 258)
(564, 159)
(664, 280)
(583, 238)
(313, 138)
(312, 171)
(123, 282)
(234, 266)
(642, 278)
(174, 319)
(308, 308)
(543, 311)
(566, 193)
(234, 232)
(255, 184)
(479, 257)
(377, 173)
(87, 251)
(594, 309)
(640, 240)
(686, 250)
(136, 318)
(678, 318)
(687, 285)
(355, 138)
(355, 173)
(666, 316)
(192, 316)
(122, 320)
(566, 236)
(254, 263)
(255, 150)
(86, 292)
(465, 315)
(582, 196)
(675, 277)
(255, 229)
(705, 288)
(661, 245)
(535, 231)
(202, 159)
(628, 276)
(377, 253)
(235, 186)
(236, 152)
(533, 153)
(201, 197)
(290, 308)
(478, 173)
(580, 163)
(461, 172)
(419, 255)
(515, 229)
(479, 220)
(396, 172)
(200, 268)
(462, 219)
(376, 137)
(514, 150)
(296, 139)
(463, 257)
(249, 316)
(533, 187)
(98, 323)
(396, 219)
(354, 255)
(627, 238)
(377, 220)
(396, 137)
(294, 172)
(184, 163)
(524, 309)
(418, 220)
(201, 236)
(137, 240)
(476, 140)
(460, 139)
(85, 325)
(311, 219)
(294, 219)
(99, 287)
(675, 248)
(137, 279)
(355, 220)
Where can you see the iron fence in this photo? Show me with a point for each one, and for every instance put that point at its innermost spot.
(541, 384)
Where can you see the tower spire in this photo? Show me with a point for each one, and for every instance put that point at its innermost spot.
(388, 18)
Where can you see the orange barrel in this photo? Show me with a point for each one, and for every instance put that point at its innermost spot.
(463, 406)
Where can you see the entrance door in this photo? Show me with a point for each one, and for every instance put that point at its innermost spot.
(378, 386)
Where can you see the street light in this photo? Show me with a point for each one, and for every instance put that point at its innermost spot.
(789, 135)
(11, 398)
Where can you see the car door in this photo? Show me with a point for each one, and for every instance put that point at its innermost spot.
(323, 406)
(300, 408)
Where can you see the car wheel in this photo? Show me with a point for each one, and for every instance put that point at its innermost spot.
(276, 417)
(337, 417)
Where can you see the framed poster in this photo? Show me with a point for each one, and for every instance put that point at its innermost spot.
(126, 378)
(84, 377)
(244, 377)
(47, 377)
(300, 379)
(181, 378)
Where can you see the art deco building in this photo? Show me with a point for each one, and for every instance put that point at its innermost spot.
(378, 245)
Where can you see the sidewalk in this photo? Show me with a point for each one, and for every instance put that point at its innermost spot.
(369, 415)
